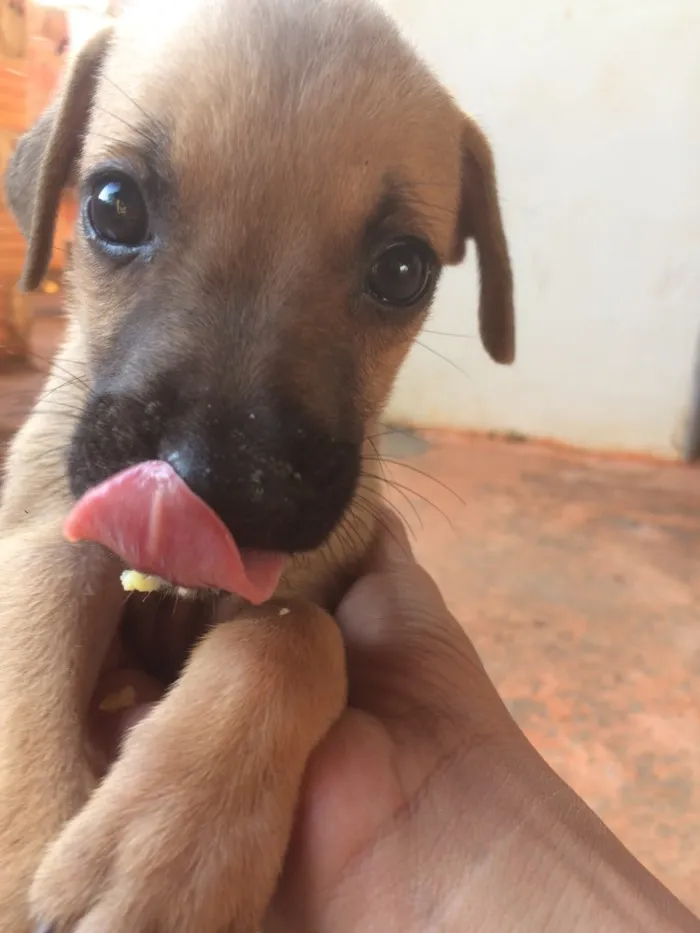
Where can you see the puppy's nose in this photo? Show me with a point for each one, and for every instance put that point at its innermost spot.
(281, 489)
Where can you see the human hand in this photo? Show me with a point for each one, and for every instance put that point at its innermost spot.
(427, 809)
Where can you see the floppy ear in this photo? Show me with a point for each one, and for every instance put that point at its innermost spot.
(480, 220)
(44, 160)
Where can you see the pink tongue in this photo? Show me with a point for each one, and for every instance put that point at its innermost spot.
(153, 521)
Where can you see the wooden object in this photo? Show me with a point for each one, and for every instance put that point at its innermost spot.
(15, 319)
(33, 43)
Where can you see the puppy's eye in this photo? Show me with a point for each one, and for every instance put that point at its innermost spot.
(117, 212)
(402, 274)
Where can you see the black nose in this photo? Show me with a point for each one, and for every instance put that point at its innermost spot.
(276, 478)
(280, 487)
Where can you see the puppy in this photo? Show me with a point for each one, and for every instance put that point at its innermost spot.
(269, 190)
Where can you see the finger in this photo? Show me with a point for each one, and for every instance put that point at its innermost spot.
(395, 594)
(404, 648)
(351, 793)
(392, 546)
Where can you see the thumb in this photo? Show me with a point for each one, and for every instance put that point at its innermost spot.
(405, 649)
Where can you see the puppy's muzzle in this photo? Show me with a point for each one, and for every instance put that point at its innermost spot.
(276, 477)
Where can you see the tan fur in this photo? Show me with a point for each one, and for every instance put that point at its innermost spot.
(188, 830)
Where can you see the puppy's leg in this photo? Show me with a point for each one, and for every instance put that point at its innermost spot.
(189, 829)
(53, 633)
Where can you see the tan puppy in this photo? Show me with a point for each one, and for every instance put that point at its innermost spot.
(269, 189)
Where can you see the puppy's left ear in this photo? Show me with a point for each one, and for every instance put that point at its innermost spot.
(43, 162)
(480, 221)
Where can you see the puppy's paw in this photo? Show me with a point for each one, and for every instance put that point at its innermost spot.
(154, 853)
(189, 829)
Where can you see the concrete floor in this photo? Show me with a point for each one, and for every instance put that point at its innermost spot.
(577, 577)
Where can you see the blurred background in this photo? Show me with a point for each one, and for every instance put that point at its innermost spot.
(556, 502)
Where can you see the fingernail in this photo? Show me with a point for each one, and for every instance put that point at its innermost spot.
(44, 928)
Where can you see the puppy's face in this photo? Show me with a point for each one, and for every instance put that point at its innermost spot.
(268, 194)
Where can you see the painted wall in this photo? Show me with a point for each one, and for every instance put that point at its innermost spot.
(593, 108)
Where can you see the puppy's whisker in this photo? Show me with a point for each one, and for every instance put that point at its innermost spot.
(350, 540)
(108, 138)
(379, 519)
(44, 359)
(408, 502)
(59, 366)
(394, 429)
(377, 456)
(388, 430)
(380, 435)
(67, 400)
(148, 116)
(57, 391)
(442, 333)
(364, 518)
(394, 484)
(66, 359)
(32, 400)
(414, 469)
(69, 415)
(394, 509)
(370, 506)
(378, 460)
(360, 516)
(339, 540)
(441, 356)
(45, 396)
(402, 519)
(57, 398)
(151, 139)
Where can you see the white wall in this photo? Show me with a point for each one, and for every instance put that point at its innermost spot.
(593, 108)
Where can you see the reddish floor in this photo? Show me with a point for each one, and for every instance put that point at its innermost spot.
(577, 579)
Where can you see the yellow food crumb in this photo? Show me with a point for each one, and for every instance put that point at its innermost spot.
(114, 702)
(135, 582)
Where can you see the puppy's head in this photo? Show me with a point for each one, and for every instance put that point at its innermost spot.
(268, 194)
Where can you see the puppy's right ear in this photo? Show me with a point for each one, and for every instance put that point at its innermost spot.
(480, 221)
(44, 160)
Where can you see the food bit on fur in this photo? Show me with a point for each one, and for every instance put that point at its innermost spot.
(115, 702)
(135, 582)
(284, 612)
